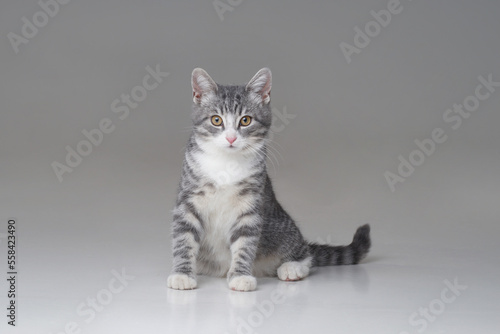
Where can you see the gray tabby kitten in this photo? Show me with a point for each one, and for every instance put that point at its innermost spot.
(227, 221)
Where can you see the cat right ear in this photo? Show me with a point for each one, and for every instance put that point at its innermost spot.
(203, 85)
(260, 85)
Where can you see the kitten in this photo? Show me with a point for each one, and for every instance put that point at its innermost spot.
(227, 221)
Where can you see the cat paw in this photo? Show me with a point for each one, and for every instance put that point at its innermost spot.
(181, 282)
(292, 271)
(243, 283)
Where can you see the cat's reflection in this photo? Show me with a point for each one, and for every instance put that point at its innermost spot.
(281, 292)
(213, 308)
(356, 276)
(216, 309)
(249, 311)
(181, 297)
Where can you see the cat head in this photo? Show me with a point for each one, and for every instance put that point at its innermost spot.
(231, 118)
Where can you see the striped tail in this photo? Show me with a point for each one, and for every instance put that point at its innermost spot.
(326, 255)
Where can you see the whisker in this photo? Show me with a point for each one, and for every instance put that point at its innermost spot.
(271, 143)
(188, 128)
(265, 152)
(274, 153)
(260, 152)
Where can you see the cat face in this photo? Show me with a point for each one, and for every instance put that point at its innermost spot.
(231, 118)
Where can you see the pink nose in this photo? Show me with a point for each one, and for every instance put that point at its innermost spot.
(231, 139)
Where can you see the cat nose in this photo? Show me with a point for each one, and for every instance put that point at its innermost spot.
(231, 140)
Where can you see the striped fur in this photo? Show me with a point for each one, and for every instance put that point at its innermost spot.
(227, 221)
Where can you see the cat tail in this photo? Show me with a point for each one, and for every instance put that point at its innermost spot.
(326, 255)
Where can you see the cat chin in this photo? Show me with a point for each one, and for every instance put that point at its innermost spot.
(221, 147)
(225, 148)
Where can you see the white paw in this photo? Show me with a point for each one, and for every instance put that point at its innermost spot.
(292, 271)
(243, 283)
(181, 282)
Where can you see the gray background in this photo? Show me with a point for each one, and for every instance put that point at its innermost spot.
(352, 121)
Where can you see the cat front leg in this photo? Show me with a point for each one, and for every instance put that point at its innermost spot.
(186, 234)
(244, 241)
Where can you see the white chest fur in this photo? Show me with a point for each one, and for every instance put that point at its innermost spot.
(221, 203)
(224, 169)
(219, 206)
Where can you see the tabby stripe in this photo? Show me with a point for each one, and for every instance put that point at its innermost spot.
(246, 214)
(249, 190)
(192, 210)
(184, 267)
(183, 253)
(244, 231)
(206, 134)
(250, 252)
(181, 243)
(191, 172)
(260, 133)
(183, 226)
(201, 121)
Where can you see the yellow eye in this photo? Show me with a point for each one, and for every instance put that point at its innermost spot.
(245, 121)
(216, 120)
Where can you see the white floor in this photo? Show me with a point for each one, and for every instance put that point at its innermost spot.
(77, 237)
(383, 295)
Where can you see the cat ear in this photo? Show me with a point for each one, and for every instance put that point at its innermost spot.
(203, 85)
(260, 84)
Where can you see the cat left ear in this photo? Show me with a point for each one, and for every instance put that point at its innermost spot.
(202, 84)
(260, 84)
